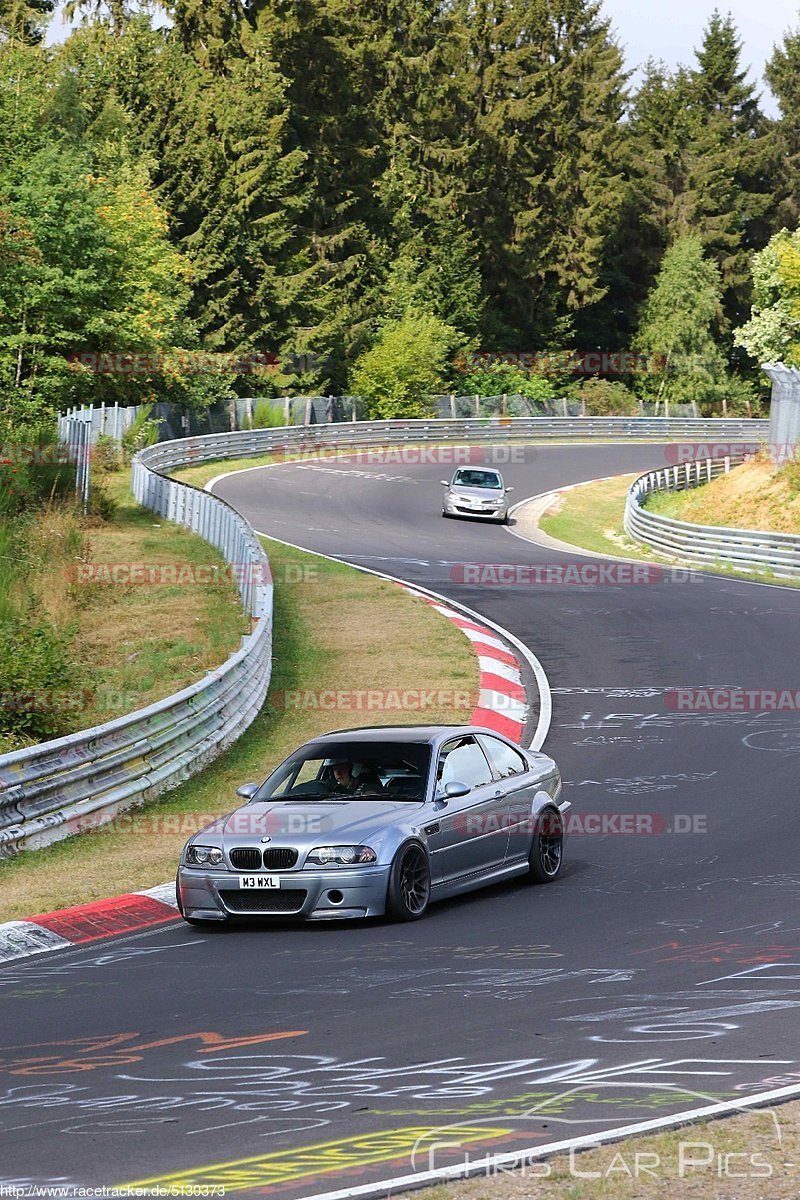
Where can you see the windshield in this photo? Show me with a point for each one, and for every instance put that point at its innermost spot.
(478, 479)
(351, 770)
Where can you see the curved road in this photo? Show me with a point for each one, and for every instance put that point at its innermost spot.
(661, 972)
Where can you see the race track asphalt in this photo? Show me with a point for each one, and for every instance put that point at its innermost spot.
(660, 972)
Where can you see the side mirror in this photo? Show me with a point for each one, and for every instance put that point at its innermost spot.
(453, 790)
(509, 489)
(444, 482)
(247, 790)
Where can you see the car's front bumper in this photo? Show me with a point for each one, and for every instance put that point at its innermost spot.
(306, 895)
(485, 514)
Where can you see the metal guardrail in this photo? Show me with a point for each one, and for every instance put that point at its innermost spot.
(83, 780)
(748, 549)
(359, 434)
(50, 791)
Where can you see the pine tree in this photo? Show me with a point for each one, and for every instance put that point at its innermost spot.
(218, 130)
(652, 162)
(432, 263)
(115, 13)
(728, 196)
(542, 97)
(782, 73)
(25, 20)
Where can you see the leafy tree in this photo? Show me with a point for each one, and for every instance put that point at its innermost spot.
(773, 332)
(677, 328)
(409, 362)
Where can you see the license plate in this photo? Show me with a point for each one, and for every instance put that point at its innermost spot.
(258, 883)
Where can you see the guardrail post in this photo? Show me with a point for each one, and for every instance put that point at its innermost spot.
(784, 409)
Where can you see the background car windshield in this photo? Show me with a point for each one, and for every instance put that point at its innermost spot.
(480, 479)
(337, 770)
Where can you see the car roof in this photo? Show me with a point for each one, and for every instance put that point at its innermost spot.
(396, 733)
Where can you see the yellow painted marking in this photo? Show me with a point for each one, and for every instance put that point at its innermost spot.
(285, 1166)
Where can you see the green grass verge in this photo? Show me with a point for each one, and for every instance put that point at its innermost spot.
(590, 518)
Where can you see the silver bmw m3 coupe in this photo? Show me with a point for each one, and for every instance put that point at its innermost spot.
(379, 821)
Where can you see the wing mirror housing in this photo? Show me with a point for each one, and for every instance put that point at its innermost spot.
(444, 482)
(453, 790)
(247, 790)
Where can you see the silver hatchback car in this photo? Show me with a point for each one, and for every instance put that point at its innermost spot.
(476, 492)
(367, 822)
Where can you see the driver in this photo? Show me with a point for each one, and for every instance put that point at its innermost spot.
(344, 779)
(346, 783)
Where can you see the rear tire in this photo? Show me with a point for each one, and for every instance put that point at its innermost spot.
(409, 890)
(547, 847)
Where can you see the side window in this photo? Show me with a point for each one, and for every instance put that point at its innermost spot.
(504, 760)
(463, 761)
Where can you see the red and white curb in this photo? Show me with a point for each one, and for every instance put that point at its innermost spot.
(502, 700)
(88, 922)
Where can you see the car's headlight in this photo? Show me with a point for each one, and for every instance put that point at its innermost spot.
(341, 856)
(204, 856)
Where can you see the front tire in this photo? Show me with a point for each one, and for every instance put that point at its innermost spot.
(409, 889)
(547, 848)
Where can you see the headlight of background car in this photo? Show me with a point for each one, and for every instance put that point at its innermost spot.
(204, 856)
(341, 856)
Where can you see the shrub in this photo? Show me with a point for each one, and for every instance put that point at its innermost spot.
(409, 362)
(267, 415)
(107, 454)
(37, 696)
(143, 432)
(604, 398)
(506, 379)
